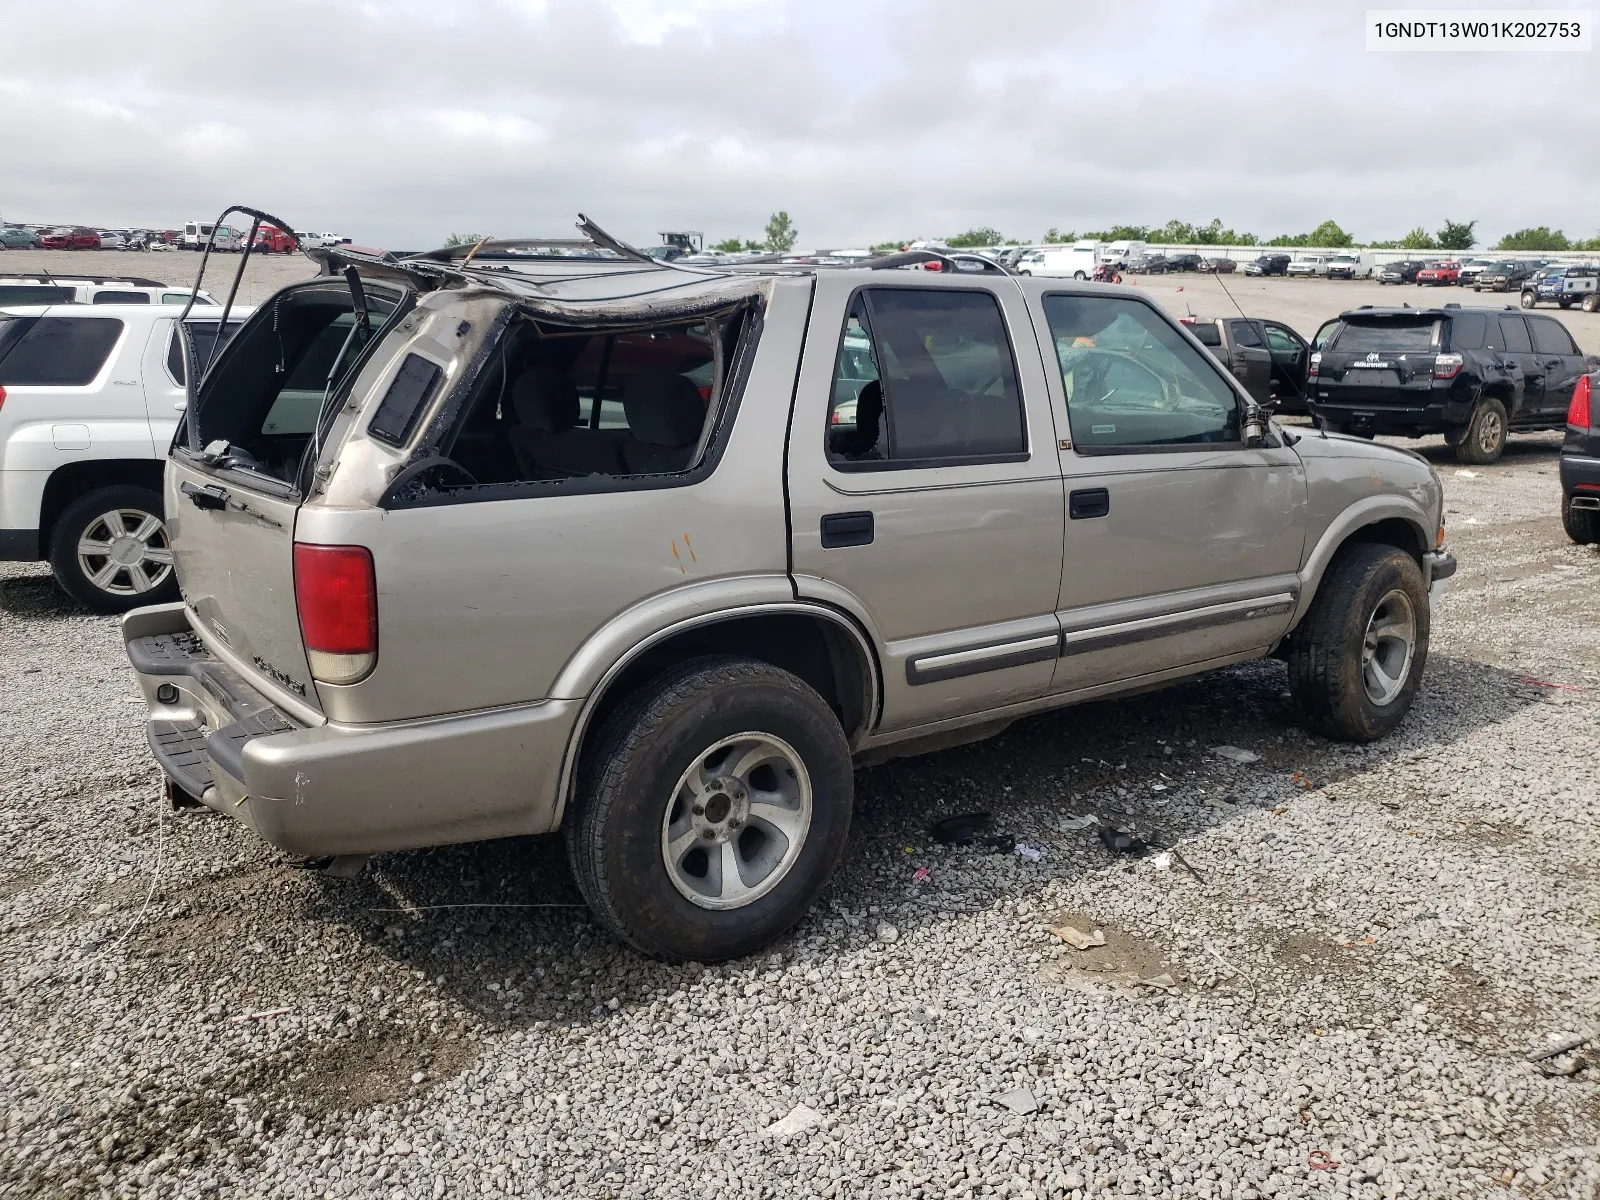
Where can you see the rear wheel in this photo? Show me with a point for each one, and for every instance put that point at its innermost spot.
(1485, 439)
(712, 810)
(1591, 302)
(109, 550)
(1582, 524)
(1356, 661)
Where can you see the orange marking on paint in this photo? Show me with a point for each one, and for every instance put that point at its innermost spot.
(682, 570)
(690, 546)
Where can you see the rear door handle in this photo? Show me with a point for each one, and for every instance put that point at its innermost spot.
(1088, 502)
(847, 529)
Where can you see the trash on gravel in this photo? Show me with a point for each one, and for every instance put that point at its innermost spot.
(1163, 981)
(1320, 1160)
(1031, 853)
(1120, 841)
(888, 933)
(1020, 1101)
(1467, 474)
(799, 1119)
(1162, 861)
(920, 875)
(1073, 824)
(260, 1016)
(1545, 683)
(1236, 754)
(1559, 1048)
(960, 829)
(1077, 938)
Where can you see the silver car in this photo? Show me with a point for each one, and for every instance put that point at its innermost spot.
(653, 557)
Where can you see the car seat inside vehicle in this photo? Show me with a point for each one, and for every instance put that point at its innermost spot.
(591, 405)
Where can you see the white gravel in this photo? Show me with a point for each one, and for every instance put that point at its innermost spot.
(1375, 940)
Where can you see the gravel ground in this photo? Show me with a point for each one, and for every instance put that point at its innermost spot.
(1336, 1001)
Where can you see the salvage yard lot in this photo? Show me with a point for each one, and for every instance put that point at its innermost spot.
(1336, 1000)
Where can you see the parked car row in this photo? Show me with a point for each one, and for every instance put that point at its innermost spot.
(192, 236)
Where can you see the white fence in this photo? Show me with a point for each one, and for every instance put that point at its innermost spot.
(1244, 254)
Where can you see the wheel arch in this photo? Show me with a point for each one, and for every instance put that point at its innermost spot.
(822, 646)
(75, 479)
(1385, 521)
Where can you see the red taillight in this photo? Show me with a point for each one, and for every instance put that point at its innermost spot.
(1577, 411)
(1447, 366)
(336, 595)
(2, 397)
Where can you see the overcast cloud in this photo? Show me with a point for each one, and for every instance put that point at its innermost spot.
(396, 122)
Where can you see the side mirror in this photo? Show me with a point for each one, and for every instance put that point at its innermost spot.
(1255, 424)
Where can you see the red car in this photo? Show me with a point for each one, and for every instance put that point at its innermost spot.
(272, 240)
(79, 238)
(1439, 273)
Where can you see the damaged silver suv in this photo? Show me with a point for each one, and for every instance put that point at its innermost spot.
(474, 546)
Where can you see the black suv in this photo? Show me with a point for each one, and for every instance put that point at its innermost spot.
(1268, 264)
(1183, 262)
(1400, 272)
(1580, 464)
(1472, 374)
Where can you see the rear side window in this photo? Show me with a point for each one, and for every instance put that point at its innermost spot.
(1388, 337)
(204, 335)
(60, 352)
(1133, 382)
(33, 293)
(1514, 335)
(1551, 337)
(1467, 331)
(924, 377)
(121, 298)
(1207, 334)
(413, 387)
(1244, 334)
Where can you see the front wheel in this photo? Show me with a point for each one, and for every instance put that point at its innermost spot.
(1485, 439)
(1582, 524)
(1079, 276)
(1356, 661)
(712, 810)
(1528, 300)
(109, 550)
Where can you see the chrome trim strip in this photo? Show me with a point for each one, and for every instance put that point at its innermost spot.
(931, 668)
(1101, 637)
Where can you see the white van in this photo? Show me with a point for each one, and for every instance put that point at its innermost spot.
(1076, 261)
(1352, 264)
(1124, 251)
(195, 234)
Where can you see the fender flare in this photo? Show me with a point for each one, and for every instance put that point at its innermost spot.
(603, 648)
(1359, 515)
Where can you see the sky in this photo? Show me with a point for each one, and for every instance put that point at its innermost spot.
(399, 122)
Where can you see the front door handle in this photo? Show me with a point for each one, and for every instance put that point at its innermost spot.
(1088, 502)
(847, 529)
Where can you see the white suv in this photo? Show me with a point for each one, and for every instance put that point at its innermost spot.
(93, 289)
(89, 398)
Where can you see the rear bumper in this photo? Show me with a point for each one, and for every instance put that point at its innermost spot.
(1579, 472)
(341, 789)
(1386, 412)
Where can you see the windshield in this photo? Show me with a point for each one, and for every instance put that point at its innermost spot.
(1393, 337)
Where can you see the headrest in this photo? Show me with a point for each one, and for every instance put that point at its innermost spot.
(664, 410)
(545, 400)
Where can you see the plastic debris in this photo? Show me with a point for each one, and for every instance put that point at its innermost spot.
(1545, 683)
(1558, 1048)
(1073, 824)
(1031, 853)
(960, 829)
(1019, 1100)
(1320, 1160)
(888, 933)
(920, 875)
(260, 1016)
(1467, 474)
(1120, 841)
(1162, 861)
(799, 1119)
(1078, 939)
(1236, 754)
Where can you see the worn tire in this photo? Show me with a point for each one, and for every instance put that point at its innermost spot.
(1591, 302)
(1582, 524)
(1325, 651)
(615, 827)
(1485, 439)
(80, 518)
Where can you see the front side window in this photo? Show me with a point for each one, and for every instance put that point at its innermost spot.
(1133, 381)
(1282, 341)
(60, 352)
(924, 377)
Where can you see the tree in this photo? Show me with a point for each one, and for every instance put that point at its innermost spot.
(1329, 234)
(889, 247)
(729, 245)
(1174, 232)
(467, 239)
(1418, 239)
(982, 236)
(1541, 238)
(1589, 244)
(1121, 233)
(1054, 237)
(781, 234)
(1457, 235)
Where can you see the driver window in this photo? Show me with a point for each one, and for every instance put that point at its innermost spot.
(1133, 381)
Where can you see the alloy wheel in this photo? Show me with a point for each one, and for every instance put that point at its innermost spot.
(1388, 646)
(124, 552)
